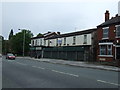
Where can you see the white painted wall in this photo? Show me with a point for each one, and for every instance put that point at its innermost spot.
(39, 40)
(69, 41)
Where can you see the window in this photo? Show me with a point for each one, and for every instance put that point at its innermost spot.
(85, 39)
(109, 48)
(36, 43)
(105, 32)
(33, 43)
(74, 40)
(118, 31)
(41, 42)
(44, 42)
(65, 41)
(102, 50)
(106, 50)
(56, 42)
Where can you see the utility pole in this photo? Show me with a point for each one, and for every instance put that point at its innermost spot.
(23, 41)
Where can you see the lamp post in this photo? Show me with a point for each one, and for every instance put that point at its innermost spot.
(23, 41)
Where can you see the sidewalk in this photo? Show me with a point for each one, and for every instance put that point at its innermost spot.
(77, 63)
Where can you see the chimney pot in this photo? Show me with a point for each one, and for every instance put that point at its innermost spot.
(107, 14)
(58, 33)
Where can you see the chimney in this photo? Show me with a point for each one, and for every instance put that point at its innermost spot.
(58, 33)
(107, 14)
(116, 15)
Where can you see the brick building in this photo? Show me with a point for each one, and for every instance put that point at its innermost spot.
(108, 35)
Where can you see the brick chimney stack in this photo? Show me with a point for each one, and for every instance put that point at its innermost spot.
(107, 15)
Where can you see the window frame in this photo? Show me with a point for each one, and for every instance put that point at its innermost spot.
(104, 37)
(109, 49)
(85, 39)
(74, 40)
(117, 31)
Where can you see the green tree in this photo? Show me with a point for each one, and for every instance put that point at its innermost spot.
(39, 35)
(17, 42)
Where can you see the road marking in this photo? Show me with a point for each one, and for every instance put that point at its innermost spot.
(21, 63)
(38, 67)
(66, 73)
(108, 82)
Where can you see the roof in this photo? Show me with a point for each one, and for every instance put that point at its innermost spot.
(37, 37)
(115, 20)
(73, 33)
(46, 35)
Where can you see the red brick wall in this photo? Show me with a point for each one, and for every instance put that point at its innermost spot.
(111, 35)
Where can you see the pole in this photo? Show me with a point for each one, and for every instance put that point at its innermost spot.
(23, 41)
(24, 44)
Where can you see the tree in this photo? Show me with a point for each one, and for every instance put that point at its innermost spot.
(11, 34)
(39, 35)
(17, 42)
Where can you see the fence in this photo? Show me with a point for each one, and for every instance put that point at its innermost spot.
(78, 53)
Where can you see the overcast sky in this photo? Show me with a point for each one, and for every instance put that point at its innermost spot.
(41, 17)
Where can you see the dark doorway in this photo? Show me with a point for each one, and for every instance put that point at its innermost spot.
(117, 52)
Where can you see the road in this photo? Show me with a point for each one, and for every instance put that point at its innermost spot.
(25, 73)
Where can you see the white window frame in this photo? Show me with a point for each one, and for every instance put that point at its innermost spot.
(109, 49)
(105, 33)
(102, 49)
(106, 50)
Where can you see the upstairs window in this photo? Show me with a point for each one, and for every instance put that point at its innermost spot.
(36, 43)
(33, 43)
(85, 39)
(65, 41)
(44, 42)
(40, 41)
(74, 40)
(118, 31)
(105, 32)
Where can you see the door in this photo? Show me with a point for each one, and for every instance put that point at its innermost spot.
(117, 52)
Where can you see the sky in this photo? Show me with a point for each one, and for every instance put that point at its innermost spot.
(64, 16)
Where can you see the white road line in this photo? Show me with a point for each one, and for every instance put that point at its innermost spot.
(21, 63)
(66, 73)
(38, 67)
(108, 82)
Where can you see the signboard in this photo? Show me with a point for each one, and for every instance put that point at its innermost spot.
(38, 48)
(102, 59)
(59, 41)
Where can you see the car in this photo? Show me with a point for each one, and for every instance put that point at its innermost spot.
(10, 56)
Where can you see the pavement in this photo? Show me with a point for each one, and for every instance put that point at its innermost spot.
(77, 63)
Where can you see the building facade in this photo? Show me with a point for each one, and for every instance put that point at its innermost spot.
(73, 46)
(108, 35)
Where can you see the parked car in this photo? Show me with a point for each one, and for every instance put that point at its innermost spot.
(10, 56)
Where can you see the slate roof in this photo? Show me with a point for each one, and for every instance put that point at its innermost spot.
(114, 20)
(73, 33)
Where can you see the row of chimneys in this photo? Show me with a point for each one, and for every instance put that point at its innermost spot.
(107, 15)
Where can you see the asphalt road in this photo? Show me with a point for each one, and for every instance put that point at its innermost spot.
(24, 73)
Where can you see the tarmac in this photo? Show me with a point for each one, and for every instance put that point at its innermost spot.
(77, 63)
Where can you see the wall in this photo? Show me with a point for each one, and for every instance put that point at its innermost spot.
(69, 40)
